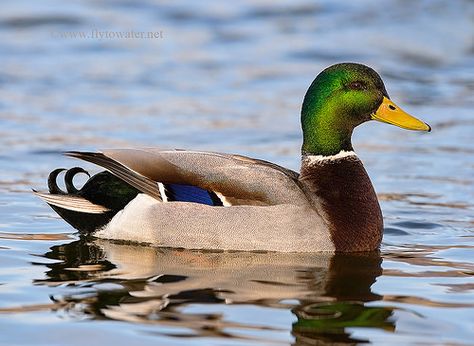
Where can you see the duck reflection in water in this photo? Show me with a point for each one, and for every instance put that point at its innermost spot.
(134, 283)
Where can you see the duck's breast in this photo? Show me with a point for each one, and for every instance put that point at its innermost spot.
(342, 192)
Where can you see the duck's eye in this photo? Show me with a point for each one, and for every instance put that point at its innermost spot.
(357, 86)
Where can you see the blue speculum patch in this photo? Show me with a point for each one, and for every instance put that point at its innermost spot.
(190, 193)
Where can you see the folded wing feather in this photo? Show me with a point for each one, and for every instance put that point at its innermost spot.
(242, 180)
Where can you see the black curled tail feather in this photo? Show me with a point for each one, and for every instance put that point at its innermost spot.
(52, 182)
(91, 207)
(69, 176)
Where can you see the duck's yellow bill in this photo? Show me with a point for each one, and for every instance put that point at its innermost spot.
(390, 113)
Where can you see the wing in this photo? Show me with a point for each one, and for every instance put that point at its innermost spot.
(237, 180)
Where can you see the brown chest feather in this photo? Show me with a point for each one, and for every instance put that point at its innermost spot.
(343, 189)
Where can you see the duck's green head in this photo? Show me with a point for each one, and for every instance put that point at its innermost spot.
(342, 97)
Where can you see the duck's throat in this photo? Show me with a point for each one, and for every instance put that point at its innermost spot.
(341, 190)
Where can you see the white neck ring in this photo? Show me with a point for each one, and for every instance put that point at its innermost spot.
(322, 158)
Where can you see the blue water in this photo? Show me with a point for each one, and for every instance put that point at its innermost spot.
(231, 77)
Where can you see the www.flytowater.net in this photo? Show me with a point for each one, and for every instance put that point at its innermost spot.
(108, 34)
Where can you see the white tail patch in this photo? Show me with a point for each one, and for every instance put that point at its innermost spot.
(135, 221)
(310, 159)
(73, 203)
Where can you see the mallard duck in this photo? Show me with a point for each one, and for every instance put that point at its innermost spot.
(210, 200)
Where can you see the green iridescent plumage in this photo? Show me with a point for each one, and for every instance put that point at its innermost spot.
(340, 98)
